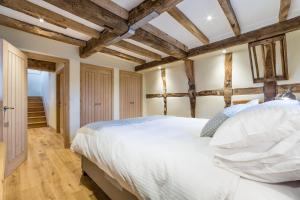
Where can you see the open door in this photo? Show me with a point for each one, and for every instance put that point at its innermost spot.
(13, 90)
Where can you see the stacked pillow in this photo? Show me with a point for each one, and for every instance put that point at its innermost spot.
(212, 125)
(261, 143)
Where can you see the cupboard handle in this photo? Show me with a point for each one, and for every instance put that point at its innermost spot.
(132, 102)
(5, 108)
(97, 104)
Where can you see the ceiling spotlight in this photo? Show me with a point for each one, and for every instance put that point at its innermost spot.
(224, 51)
(209, 18)
(159, 67)
(41, 20)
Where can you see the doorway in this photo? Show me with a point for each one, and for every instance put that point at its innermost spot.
(61, 73)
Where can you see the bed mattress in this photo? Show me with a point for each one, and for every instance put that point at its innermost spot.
(164, 158)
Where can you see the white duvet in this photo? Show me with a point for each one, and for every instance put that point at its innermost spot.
(163, 158)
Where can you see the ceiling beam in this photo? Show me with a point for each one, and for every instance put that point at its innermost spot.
(93, 13)
(138, 17)
(138, 50)
(122, 55)
(284, 10)
(23, 26)
(259, 34)
(41, 65)
(229, 13)
(122, 12)
(148, 10)
(39, 12)
(163, 61)
(164, 36)
(112, 7)
(157, 43)
(181, 18)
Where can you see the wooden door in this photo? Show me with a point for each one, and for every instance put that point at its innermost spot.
(96, 91)
(14, 93)
(130, 94)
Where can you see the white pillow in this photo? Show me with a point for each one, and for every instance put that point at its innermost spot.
(261, 143)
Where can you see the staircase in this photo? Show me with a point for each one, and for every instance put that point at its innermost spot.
(36, 113)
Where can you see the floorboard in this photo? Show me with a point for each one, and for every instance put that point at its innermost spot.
(50, 172)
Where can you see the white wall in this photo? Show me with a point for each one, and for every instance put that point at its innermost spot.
(209, 74)
(34, 83)
(49, 97)
(29, 42)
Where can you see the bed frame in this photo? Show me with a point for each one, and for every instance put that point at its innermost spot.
(110, 186)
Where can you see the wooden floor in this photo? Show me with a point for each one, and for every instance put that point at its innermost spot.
(50, 172)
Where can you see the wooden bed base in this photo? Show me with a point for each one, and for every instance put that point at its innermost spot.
(107, 184)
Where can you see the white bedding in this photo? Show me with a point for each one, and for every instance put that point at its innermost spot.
(164, 158)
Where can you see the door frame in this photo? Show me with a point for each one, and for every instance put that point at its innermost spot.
(142, 89)
(66, 71)
(85, 65)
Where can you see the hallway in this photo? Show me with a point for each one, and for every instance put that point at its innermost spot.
(50, 172)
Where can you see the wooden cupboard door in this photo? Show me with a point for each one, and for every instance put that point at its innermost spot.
(130, 94)
(14, 90)
(96, 91)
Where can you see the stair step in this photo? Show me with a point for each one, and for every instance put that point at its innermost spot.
(36, 119)
(35, 104)
(36, 114)
(37, 124)
(33, 109)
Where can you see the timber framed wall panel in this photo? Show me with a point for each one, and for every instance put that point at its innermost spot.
(131, 90)
(96, 93)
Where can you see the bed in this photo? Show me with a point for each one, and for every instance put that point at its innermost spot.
(163, 157)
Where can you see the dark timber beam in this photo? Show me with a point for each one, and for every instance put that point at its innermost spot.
(122, 55)
(228, 80)
(138, 50)
(189, 71)
(259, 34)
(148, 10)
(41, 65)
(181, 18)
(39, 12)
(284, 9)
(93, 13)
(138, 17)
(157, 43)
(16, 24)
(229, 13)
(164, 95)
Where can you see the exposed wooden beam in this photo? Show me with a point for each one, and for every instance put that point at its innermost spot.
(164, 82)
(181, 18)
(122, 55)
(229, 13)
(219, 92)
(41, 65)
(152, 64)
(228, 80)
(259, 34)
(284, 10)
(162, 35)
(189, 71)
(16, 24)
(112, 7)
(157, 43)
(138, 50)
(138, 17)
(94, 13)
(39, 12)
(148, 10)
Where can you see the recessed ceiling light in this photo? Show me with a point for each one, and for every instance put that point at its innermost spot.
(224, 51)
(41, 20)
(209, 18)
(159, 67)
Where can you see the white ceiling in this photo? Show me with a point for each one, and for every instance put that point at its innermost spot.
(251, 14)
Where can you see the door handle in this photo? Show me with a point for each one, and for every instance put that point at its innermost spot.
(5, 108)
(132, 102)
